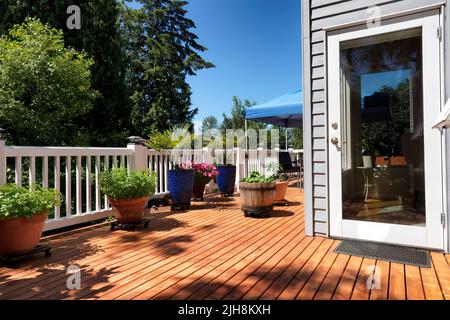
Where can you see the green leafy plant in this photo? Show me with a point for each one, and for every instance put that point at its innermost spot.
(161, 141)
(122, 183)
(180, 137)
(277, 172)
(45, 88)
(256, 177)
(17, 202)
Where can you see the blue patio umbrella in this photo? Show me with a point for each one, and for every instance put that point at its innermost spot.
(285, 111)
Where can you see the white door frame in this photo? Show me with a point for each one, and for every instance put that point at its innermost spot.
(431, 236)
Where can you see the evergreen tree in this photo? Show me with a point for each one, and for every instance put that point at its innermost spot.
(236, 120)
(210, 123)
(163, 51)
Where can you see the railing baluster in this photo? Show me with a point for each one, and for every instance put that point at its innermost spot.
(166, 187)
(114, 163)
(45, 172)
(57, 184)
(106, 168)
(88, 185)
(160, 174)
(150, 162)
(98, 196)
(32, 171)
(18, 170)
(128, 164)
(68, 186)
(122, 161)
(78, 197)
(3, 164)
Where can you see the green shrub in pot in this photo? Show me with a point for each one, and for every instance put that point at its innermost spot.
(257, 194)
(19, 202)
(23, 212)
(128, 192)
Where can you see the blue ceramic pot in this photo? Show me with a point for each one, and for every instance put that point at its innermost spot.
(226, 179)
(181, 184)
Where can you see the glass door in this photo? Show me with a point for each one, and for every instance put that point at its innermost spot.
(380, 135)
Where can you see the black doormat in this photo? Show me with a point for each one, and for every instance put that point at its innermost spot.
(386, 252)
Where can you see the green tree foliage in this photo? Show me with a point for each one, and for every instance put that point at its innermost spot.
(210, 123)
(163, 52)
(122, 183)
(296, 138)
(107, 122)
(44, 88)
(236, 120)
(385, 138)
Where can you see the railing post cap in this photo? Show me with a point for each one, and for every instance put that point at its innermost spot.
(136, 140)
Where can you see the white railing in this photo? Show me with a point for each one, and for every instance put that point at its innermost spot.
(75, 172)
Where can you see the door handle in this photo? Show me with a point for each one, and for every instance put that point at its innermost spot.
(335, 141)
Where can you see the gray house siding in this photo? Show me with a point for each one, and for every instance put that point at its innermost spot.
(447, 97)
(318, 15)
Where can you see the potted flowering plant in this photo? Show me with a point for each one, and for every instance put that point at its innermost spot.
(203, 174)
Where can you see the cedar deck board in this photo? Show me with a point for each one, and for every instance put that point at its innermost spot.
(213, 251)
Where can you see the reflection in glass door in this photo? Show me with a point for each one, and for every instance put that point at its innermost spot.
(382, 129)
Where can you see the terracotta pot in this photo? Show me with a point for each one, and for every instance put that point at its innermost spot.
(20, 235)
(280, 190)
(198, 191)
(129, 211)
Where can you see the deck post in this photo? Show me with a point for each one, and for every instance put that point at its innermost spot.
(2, 160)
(139, 160)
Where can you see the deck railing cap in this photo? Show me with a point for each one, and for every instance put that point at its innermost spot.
(136, 140)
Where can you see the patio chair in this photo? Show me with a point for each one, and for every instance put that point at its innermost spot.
(291, 167)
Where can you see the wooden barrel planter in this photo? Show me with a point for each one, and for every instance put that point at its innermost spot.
(257, 198)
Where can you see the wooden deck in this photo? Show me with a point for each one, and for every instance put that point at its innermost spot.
(213, 252)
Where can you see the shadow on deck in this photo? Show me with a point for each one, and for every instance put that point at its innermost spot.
(213, 252)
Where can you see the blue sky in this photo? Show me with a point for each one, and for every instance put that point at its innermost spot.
(256, 47)
(374, 82)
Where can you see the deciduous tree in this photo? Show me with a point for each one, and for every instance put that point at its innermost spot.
(45, 88)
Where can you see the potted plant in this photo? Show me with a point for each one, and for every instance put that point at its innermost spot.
(23, 212)
(281, 181)
(368, 158)
(181, 185)
(226, 179)
(257, 194)
(180, 179)
(128, 192)
(203, 174)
